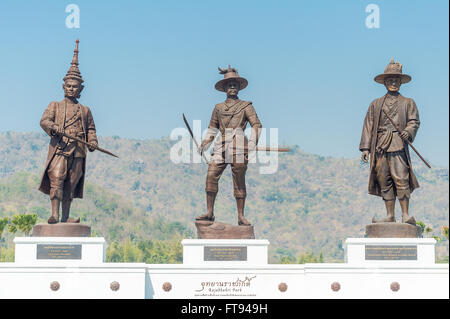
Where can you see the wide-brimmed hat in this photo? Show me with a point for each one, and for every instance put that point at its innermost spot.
(393, 68)
(74, 73)
(230, 74)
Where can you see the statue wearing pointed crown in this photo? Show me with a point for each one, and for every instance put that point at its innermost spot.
(65, 168)
(391, 123)
(230, 118)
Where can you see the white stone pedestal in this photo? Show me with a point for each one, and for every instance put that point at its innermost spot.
(390, 251)
(224, 268)
(220, 252)
(60, 250)
(69, 267)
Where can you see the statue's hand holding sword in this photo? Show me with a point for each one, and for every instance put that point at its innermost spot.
(91, 146)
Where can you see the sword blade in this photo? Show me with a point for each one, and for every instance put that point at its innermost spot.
(106, 151)
(87, 144)
(192, 136)
(407, 141)
(272, 149)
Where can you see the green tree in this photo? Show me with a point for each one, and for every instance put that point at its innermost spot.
(287, 260)
(321, 257)
(444, 230)
(3, 222)
(23, 223)
(426, 229)
(307, 258)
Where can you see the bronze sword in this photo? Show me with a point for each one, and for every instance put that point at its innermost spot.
(193, 138)
(272, 149)
(87, 144)
(399, 131)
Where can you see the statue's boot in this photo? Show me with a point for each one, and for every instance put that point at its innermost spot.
(404, 203)
(390, 208)
(242, 221)
(206, 216)
(409, 220)
(210, 199)
(70, 220)
(54, 218)
(66, 211)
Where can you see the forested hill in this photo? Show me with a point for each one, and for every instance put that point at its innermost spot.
(311, 204)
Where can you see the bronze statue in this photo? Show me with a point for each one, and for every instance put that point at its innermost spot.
(391, 124)
(230, 118)
(71, 128)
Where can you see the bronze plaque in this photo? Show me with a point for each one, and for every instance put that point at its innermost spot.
(391, 252)
(225, 253)
(52, 251)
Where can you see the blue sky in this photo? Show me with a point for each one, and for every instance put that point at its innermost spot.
(310, 65)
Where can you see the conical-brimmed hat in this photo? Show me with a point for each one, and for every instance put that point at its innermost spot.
(393, 68)
(74, 72)
(230, 74)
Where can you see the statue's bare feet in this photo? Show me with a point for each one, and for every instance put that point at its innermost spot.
(70, 220)
(52, 220)
(409, 220)
(206, 216)
(384, 220)
(243, 222)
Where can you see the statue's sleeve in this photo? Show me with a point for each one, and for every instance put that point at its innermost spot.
(213, 127)
(48, 119)
(90, 128)
(412, 120)
(214, 122)
(254, 123)
(366, 136)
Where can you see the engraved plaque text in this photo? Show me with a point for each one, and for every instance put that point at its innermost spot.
(225, 253)
(56, 251)
(391, 252)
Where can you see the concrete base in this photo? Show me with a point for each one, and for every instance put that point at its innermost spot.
(216, 230)
(70, 251)
(393, 230)
(91, 277)
(390, 251)
(219, 252)
(61, 230)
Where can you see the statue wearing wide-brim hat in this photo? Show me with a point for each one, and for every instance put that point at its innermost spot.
(392, 69)
(230, 74)
(390, 126)
(230, 118)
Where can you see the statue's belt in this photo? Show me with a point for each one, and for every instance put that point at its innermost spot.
(382, 130)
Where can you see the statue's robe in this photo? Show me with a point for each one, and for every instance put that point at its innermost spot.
(55, 116)
(408, 120)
